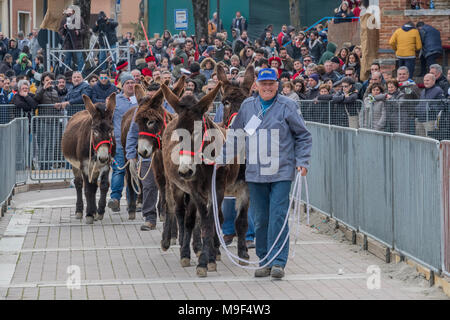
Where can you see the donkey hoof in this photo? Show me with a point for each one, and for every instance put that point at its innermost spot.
(212, 266)
(173, 241)
(89, 220)
(131, 215)
(202, 272)
(79, 215)
(99, 217)
(218, 257)
(165, 245)
(185, 262)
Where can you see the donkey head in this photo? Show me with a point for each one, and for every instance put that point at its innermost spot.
(152, 118)
(102, 130)
(234, 92)
(189, 110)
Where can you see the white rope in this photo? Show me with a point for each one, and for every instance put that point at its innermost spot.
(139, 171)
(296, 195)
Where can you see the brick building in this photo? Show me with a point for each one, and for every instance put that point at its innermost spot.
(395, 13)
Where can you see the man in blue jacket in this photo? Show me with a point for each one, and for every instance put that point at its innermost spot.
(103, 88)
(75, 94)
(149, 187)
(431, 46)
(124, 102)
(270, 122)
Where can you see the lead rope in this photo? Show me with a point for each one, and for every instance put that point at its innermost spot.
(139, 171)
(91, 172)
(233, 257)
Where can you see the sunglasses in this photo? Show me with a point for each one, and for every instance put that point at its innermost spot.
(103, 78)
(307, 60)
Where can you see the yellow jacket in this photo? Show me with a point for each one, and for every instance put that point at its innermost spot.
(406, 43)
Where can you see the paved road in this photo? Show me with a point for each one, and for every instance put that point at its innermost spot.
(41, 238)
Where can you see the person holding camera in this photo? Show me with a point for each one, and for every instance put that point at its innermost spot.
(107, 38)
(72, 29)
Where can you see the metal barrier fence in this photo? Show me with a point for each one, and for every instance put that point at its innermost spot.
(445, 192)
(13, 148)
(47, 160)
(384, 185)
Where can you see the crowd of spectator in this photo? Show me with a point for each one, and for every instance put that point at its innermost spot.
(309, 66)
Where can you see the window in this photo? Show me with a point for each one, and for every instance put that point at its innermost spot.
(24, 22)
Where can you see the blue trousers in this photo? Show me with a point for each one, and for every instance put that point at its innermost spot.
(410, 63)
(229, 215)
(270, 202)
(78, 57)
(118, 176)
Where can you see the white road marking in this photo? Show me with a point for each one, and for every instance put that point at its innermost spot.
(15, 250)
(210, 279)
(11, 242)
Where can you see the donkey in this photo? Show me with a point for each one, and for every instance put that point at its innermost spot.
(196, 179)
(152, 119)
(88, 145)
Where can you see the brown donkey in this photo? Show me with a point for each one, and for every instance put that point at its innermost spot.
(152, 119)
(196, 179)
(88, 145)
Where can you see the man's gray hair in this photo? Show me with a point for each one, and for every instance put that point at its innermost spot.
(311, 66)
(23, 82)
(437, 67)
(403, 68)
(78, 72)
(431, 75)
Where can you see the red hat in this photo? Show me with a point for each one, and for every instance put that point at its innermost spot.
(122, 66)
(275, 58)
(147, 72)
(150, 58)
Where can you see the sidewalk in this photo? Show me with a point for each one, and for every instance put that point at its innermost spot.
(40, 239)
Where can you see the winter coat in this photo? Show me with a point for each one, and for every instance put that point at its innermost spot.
(431, 40)
(316, 50)
(47, 96)
(72, 41)
(108, 28)
(123, 104)
(5, 67)
(345, 15)
(294, 140)
(240, 24)
(343, 108)
(428, 111)
(441, 82)
(75, 94)
(406, 41)
(27, 104)
(327, 55)
(398, 115)
(100, 92)
(374, 114)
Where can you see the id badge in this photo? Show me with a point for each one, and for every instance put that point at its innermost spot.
(252, 125)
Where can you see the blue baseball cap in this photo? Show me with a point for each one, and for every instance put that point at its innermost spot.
(267, 74)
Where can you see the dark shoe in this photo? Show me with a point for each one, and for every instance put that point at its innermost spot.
(114, 205)
(277, 272)
(261, 273)
(250, 244)
(228, 238)
(147, 226)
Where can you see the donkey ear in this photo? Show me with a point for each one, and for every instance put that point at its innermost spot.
(139, 92)
(111, 105)
(221, 75)
(89, 105)
(249, 78)
(157, 99)
(206, 101)
(171, 98)
(179, 86)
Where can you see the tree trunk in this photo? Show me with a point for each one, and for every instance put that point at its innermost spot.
(294, 12)
(201, 18)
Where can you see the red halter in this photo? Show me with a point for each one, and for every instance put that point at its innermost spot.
(109, 142)
(231, 119)
(157, 136)
(192, 154)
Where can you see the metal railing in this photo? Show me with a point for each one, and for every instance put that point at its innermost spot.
(13, 151)
(388, 186)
